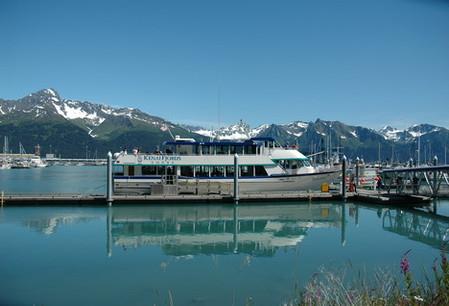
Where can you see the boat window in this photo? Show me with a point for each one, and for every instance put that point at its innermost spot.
(187, 171)
(250, 150)
(247, 170)
(205, 150)
(294, 164)
(160, 170)
(236, 150)
(260, 171)
(118, 170)
(217, 171)
(201, 171)
(185, 149)
(148, 170)
(306, 163)
(222, 149)
(130, 170)
(170, 170)
(230, 171)
(281, 163)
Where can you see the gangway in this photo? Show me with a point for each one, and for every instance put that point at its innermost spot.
(424, 180)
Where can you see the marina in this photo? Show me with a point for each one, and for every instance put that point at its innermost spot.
(61, 194)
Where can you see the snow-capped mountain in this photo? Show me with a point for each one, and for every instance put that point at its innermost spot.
(408, 134)
(238, 131)
(90, 116)
(296, 128)
(390, 133)
(79, 128)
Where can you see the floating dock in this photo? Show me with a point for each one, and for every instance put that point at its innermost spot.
(78, 199)
(385, 198)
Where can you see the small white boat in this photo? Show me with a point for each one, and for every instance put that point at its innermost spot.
(37, 162)
(5, 165)
(20, 164)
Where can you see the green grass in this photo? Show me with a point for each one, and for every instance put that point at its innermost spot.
(338, 288)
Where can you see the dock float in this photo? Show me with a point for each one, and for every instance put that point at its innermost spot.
(365, 196)
(384, 198)
(78, 199)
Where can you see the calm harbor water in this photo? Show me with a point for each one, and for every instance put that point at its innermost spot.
(195, 254)
(56, 179)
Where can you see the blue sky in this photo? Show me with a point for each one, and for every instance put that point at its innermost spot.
(206, 62)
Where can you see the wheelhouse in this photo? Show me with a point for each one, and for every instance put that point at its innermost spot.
(251, 146)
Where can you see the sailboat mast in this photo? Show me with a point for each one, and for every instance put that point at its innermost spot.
(378, 154)
(419, 147)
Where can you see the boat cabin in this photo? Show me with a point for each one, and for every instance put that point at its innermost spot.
(186, 157)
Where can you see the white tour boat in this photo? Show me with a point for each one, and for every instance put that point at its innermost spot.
(264, 166)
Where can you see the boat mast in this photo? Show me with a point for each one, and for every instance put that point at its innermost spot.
(378, 155)
(445, 160)
(5, 145)
(21, 149)
(419, 147)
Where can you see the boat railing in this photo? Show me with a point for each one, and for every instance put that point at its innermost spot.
(169, 179)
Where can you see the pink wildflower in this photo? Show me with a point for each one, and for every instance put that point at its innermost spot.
(405, 265)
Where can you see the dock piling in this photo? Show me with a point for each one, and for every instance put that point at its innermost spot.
(435, 177)
(236, 178)
(343, 177)
(109, 186)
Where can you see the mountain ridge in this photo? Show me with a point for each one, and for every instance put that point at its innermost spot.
(49, 117)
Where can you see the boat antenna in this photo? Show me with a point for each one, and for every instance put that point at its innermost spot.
(218, 106)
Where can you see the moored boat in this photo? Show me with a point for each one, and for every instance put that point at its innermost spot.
(264, 166)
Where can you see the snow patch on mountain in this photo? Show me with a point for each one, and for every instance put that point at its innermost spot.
(50, 92)
(416, 134)
(298, 134)
(204, 132)
(301, 124)
(390, 133)
(259, 130)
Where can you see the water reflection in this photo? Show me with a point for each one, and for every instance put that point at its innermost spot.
(427, 228)
(256, 230)
(47, 220)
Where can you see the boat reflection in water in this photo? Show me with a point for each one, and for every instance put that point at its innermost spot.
(258, 230)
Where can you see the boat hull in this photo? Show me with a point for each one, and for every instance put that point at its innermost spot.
(284, 183)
